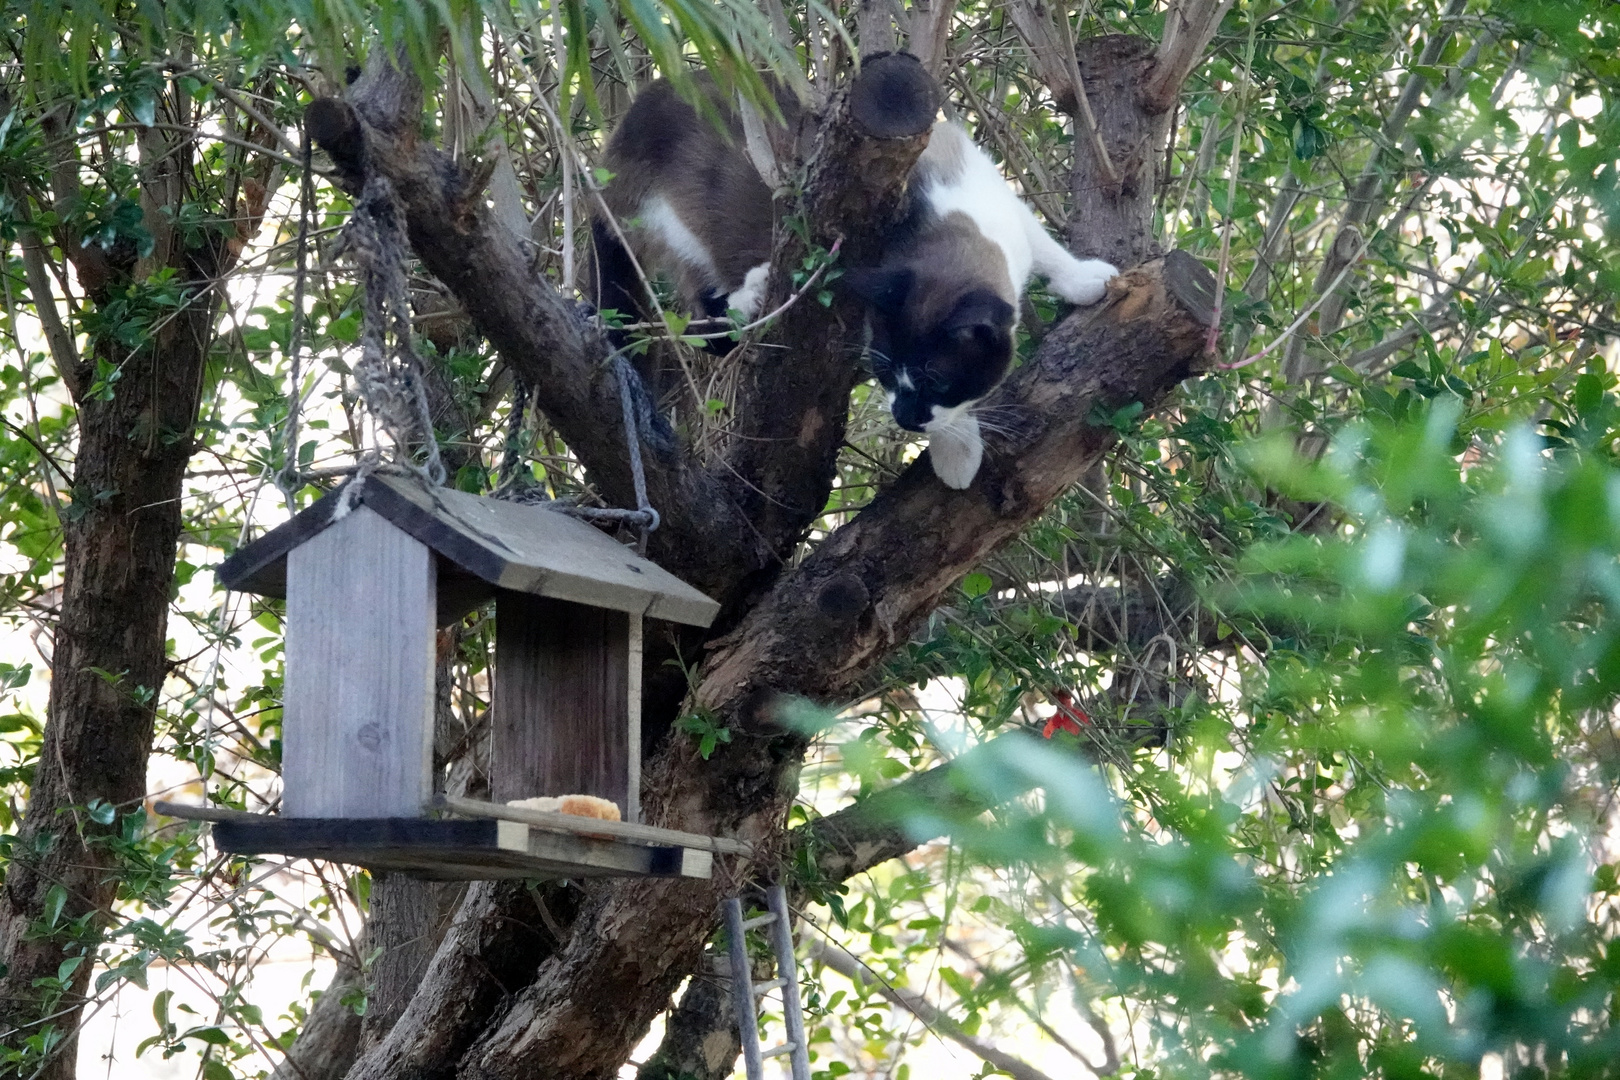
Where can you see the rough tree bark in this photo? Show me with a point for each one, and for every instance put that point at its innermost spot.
(1130, 88)
(120, 534)
(575, 1001)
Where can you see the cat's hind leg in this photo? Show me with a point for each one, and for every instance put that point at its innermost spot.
(747, 298)
(612, 281)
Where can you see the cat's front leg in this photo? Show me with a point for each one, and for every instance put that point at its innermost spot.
(1079, 281)
(955, 449)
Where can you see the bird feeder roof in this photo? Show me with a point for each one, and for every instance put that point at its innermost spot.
(510, 545)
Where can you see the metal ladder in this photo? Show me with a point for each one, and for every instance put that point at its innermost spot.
(745, 995)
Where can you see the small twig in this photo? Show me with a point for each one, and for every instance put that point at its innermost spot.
(566, 160)
(1082, 105)
(757, 323)
(176, 69)
(840, 960)
(1308, 312)
(1322, 297)
(44, 454)
(1225, 263)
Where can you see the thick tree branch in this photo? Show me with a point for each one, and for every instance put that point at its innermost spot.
(501, 933)
(928, 33)
(1050, 41)
(720, 527)
(849, 602)
(791, 405)
(64, 354)
(1052, 56)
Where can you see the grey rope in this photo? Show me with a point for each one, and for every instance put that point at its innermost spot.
(389, 376)
(512, 458)
(644, 515)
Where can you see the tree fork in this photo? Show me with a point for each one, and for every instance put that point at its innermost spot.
(789, 417)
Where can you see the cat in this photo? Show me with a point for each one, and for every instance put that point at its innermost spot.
(943, 300)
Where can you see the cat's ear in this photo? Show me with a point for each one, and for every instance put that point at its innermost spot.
(980, 308)
(885, 288)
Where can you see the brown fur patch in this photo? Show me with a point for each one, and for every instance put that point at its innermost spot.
(665, 148)
(950, 257)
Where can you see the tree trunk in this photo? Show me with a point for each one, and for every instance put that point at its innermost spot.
(108, 665)
(1109, 221)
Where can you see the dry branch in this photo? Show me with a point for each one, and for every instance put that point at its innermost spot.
(852, 969)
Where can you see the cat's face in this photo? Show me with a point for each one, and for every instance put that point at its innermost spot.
(936, 345)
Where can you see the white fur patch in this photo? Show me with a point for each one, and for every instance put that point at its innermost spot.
(751, 295)
(903, 381)
(1081, 281)
(975, 187)
(955, 447)
(659, 218)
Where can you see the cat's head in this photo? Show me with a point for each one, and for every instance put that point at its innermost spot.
(939, 341)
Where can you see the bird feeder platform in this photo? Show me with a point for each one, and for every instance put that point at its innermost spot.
(494, 842)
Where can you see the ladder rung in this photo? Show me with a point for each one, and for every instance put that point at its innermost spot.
(759, 920)
(778, 1051)
(768, 985)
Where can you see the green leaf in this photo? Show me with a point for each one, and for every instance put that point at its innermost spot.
(214, 1036)
(143, 107)
(976, 585)
(56, 898)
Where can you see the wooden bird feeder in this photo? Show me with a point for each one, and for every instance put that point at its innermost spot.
(366, 586)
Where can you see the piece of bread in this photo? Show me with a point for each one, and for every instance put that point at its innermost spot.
(578, 805)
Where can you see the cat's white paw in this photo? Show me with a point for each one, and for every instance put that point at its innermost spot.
(1085, 281)
(955, 449)
(751, 295)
